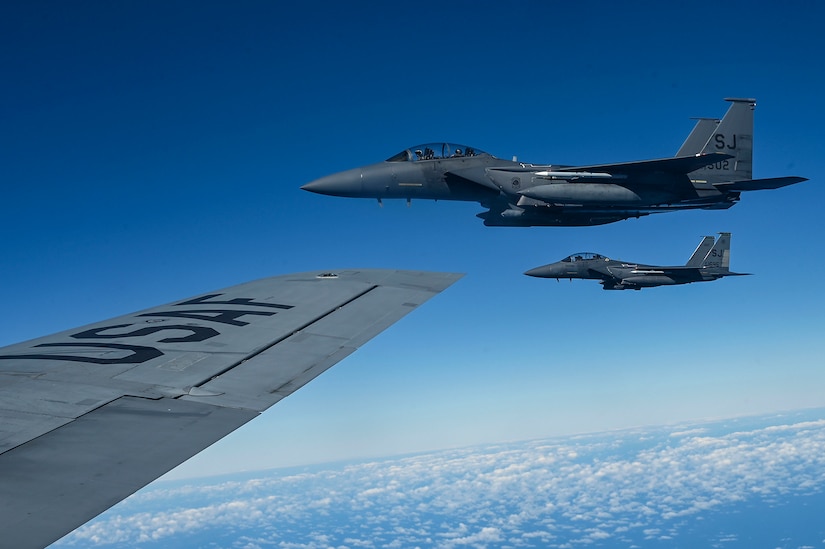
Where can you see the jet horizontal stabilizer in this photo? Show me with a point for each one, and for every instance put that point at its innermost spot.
(759, 184)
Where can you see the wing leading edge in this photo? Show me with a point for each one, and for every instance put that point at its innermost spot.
(94, 414)
(676, 164)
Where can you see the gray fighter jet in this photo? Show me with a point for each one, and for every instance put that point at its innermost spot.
(710, 170)
(709, 262)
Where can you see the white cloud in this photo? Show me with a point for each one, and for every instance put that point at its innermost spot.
(629, 485)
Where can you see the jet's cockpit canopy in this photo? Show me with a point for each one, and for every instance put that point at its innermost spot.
(435, 151)
(582, 256)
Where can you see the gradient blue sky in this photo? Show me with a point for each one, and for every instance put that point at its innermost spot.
(150, 151)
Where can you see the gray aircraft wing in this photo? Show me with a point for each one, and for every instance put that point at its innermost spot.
(653, 269)
(676, 164)
(91, 415)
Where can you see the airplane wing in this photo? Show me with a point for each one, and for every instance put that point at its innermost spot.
(681, 270)
(676, 164)
(91, 415)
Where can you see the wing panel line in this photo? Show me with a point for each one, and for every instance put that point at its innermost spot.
(287, 336)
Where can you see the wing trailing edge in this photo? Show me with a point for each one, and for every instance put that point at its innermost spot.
(89, 416)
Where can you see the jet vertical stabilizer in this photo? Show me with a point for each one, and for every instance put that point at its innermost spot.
(701, 252)
(733, 136)
(699, 136)
(719, 255)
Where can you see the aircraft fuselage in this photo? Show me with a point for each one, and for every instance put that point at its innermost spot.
(710, 261)
(709, 171)
(521, 194)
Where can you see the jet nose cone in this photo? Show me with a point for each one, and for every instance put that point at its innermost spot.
(545, 271)
(346, 183)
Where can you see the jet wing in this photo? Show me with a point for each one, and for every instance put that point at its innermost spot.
(91, 415)
(676, 164)
(665, 269)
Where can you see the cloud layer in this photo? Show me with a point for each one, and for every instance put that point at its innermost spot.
(630, 487)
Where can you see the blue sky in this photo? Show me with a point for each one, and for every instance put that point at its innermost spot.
(152, 151)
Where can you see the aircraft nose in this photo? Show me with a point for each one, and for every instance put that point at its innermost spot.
(545, 271)
(346, 183)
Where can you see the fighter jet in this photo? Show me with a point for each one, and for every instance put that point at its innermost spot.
(709, 262)
(709, 171)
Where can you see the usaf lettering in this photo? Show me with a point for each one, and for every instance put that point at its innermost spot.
(142, 353)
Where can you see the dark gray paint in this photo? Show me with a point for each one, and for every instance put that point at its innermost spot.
(710, 171)
(710, 261)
